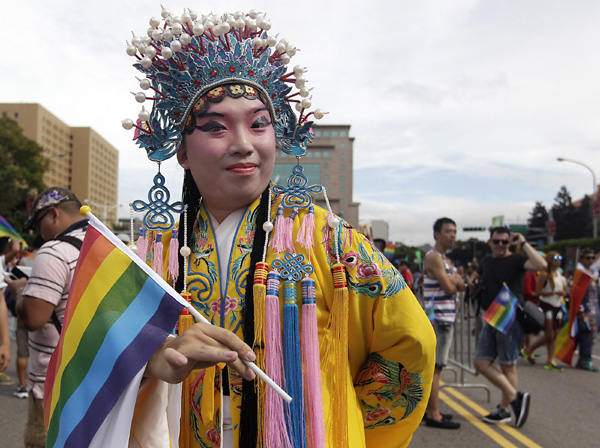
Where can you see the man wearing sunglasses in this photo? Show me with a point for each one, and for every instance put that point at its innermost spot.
(42, 298)
(499, 267)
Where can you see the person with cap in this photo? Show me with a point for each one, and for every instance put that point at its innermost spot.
(42, 298)
(222, 103)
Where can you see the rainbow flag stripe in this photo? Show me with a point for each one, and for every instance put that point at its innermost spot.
(117, 316)
(7, 230)
(502, 311)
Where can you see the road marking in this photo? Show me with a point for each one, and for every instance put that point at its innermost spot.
(475, 421)
(481, 411)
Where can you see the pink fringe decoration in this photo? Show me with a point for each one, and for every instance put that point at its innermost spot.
(306, 233)
(173, 267)
(275, 431)
(142, 245)
(313, 393)
(288, 237)
(278, 241)
(157, 260)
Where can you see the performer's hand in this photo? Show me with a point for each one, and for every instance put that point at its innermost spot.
(200, 346)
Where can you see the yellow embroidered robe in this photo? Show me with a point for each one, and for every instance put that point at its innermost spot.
(391, 341)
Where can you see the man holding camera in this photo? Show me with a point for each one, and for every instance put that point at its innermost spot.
(504, 266)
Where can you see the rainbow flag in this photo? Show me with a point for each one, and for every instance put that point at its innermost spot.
(502, 311)
(565, 340)
(119, 312)
(430, 311)
(389, 249)
(7, 230)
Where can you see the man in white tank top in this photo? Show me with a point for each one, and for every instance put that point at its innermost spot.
(440, 286)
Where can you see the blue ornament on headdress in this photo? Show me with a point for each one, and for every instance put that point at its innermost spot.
(158, 210)
(297, 194)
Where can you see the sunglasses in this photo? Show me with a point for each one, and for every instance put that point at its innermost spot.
(503, 242)
(557, 257)
(36, 224)
(589, 257)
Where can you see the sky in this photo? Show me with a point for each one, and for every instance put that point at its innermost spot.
(458, 108)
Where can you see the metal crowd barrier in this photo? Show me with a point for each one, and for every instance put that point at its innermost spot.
(466, 330)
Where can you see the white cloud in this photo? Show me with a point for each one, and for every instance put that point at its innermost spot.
(462, 107)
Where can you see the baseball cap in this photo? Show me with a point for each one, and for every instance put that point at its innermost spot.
(50, 197)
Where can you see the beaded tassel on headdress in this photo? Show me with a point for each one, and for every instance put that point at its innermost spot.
(173, 265)
(142, 245)
(305, 235)
(157, 254)
(186, 320)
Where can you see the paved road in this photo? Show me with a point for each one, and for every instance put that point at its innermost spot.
(564, 411)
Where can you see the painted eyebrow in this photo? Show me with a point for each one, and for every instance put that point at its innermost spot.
(216, 114)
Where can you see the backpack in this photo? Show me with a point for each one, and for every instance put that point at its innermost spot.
(76, 242)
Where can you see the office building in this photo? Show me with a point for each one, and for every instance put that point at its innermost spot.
(79, 158)
(328, 162)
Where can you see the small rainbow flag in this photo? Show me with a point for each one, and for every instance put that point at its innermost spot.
(502, 311)
(119, 312)
(389, 249)
(430, 311)
(7, 230)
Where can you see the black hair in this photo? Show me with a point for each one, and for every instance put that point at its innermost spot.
(191, 197)
(437, 226)
(586, 251)
(499, 229)
(4, 242)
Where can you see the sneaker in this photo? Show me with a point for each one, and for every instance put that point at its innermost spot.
(529, 358)
(21, 392)
(443, 423)
(498, 415)
(5, 380)
(520, 407)
(587, 365)
(552, 366)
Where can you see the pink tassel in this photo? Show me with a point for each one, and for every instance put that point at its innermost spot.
(306, 233)
(288, 237)
(313, 394)
(173, 267)
(278, 241)
(142, 245)
(157, 260)
(274, 417)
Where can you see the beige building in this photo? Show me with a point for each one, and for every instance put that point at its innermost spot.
(328, 162)
(79, 158)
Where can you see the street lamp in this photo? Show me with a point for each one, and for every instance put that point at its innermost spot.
(594, 189)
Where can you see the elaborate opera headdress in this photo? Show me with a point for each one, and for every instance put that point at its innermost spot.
(185, 57)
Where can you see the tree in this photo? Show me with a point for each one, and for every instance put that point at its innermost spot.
(22, 169)
(464, 251)
(536, 224)
(571, 222)
(538, 216)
